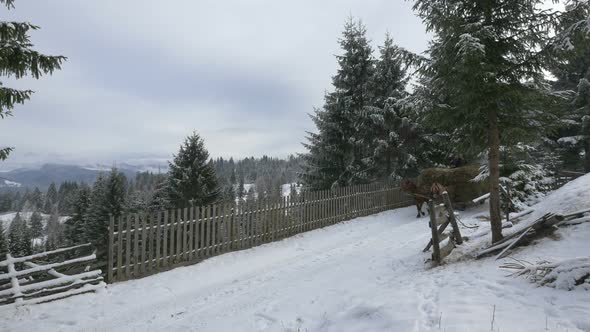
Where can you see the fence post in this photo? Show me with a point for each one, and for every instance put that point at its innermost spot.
(18, 295)
(434, 229)
(110, 249)
(119, 248)
(128, 248)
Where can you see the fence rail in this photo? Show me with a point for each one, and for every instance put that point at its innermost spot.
(143, 244)
(42, 277)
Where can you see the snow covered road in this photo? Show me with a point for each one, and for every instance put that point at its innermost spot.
(363, 275)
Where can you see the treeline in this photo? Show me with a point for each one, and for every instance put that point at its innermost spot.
(264, 176)
(38, 224)
(363, 133)
(482, 95)
(36, 200)
(193, 179)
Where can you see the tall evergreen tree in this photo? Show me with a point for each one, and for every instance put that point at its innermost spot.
(191, 177)
(67, 196)
(334, 156)
(241, 191)
(389, 137)
(19, 59)
(3, 243)
(54, 231)
(36, 223)
(108, 197)
(36, 199)
(19, 237)
(485, 78)
(51, 198)
(75, 226)
(572, 71)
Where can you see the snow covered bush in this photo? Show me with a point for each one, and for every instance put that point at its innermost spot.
(526, 171)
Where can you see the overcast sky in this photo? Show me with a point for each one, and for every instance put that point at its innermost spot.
(143, 74)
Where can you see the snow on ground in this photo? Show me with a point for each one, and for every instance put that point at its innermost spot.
(368, 274)
(4, 183)
(286, 189)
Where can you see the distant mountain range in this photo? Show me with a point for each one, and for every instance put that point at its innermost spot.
(44, 175)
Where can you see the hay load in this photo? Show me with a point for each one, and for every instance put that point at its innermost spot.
(458, 182)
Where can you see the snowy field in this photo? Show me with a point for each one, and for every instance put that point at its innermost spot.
(368, 274)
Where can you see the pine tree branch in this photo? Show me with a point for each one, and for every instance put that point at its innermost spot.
(4, 152)
(9, 97)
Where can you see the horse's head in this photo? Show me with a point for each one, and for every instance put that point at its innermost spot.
(409, 186)
(436, 190)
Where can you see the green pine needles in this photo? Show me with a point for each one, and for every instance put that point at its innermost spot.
(19, 59)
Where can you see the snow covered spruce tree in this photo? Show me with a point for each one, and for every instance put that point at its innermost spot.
(36, 223)
(3, 243)
(19, 237)
(334, 157)
(51, 199)
(19, 59)
(54, 231)
(572, 70)
(191, 178)
(485, 76)
(108, 197)
(387, 136)
(74, 227)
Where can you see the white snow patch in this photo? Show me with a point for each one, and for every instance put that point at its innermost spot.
(286, 189)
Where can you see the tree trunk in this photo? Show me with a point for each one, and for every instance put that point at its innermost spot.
(586, 135)
(494, 166)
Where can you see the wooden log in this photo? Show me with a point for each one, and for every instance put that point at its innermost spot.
(60, 289)
(435, 241)
(441, 229)
(21, 274)
(20, 290)
(513, 243)
(449, 206)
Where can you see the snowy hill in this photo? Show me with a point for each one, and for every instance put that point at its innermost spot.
(44, 175)
(368, 274)
(5, 183)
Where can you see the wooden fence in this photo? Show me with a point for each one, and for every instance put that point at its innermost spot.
(48, 276)
(147, 243)
(562, 177)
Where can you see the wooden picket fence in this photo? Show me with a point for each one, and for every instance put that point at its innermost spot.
(146, 243)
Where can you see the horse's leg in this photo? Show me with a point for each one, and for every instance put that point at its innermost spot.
(419, 208)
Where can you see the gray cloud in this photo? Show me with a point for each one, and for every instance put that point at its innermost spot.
(141, 75)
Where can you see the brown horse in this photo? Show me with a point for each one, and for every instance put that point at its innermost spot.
(435, 193)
